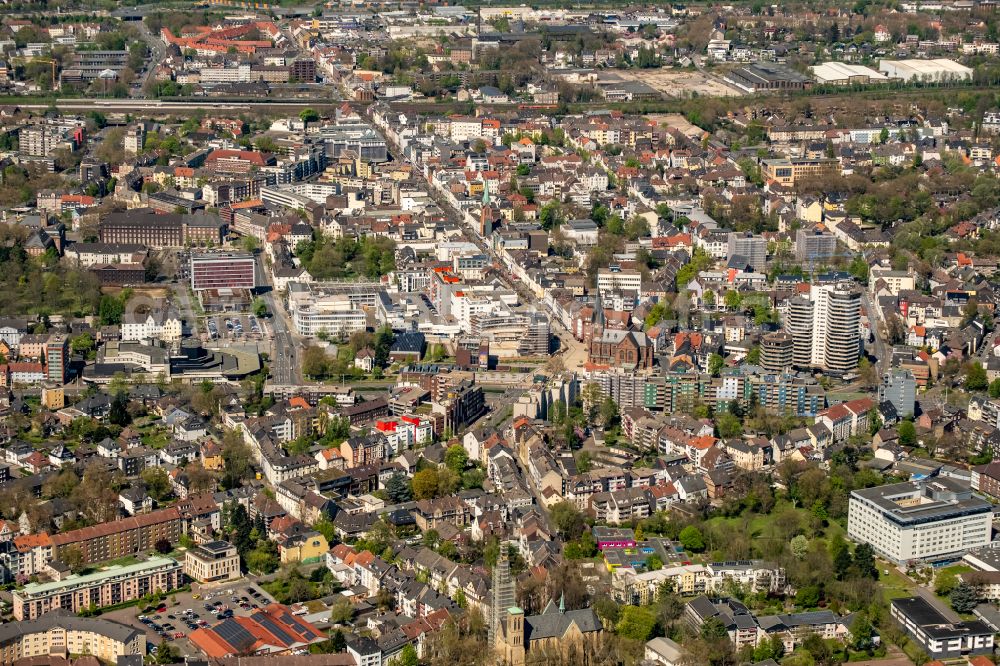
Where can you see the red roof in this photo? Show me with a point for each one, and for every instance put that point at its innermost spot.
(116, 526)
(702, 443)
(274, 626)
(298, 402)
(28, 541)
(246, 155)
(386, 426)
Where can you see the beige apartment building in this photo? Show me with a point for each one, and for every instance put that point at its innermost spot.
(212, 561)
(63, 634)
(112, 586)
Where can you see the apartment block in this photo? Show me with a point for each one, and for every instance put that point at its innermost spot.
(108, 587)
(118, 538)
(212, 561)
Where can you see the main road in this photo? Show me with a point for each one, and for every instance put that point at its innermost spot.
(157, 52)
(883, 352)
(285, 361)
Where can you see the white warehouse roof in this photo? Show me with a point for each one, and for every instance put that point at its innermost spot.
(842, 73)
(935, 69)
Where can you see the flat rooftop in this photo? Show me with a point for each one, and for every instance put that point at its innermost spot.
(916, 502)
(97, 577)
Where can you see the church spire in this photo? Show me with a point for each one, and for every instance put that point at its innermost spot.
(597, 319)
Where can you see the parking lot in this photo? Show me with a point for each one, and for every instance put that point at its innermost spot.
(240, 328)
(173, 623)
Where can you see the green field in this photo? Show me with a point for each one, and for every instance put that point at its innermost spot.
(894, 585)
(760, 523)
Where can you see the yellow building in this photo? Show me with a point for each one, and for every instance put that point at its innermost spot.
(53, 397)
(305, 548)
(788, 171)
(211, 457)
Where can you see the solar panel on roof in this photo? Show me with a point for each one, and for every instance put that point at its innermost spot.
(300, 627)
(273, 627)
(233, 633)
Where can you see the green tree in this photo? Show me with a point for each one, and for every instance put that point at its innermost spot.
(157, 482)
(567, 519)
(864, 561)
(407, 657)
(712, 630)
(859, 269)
(264, 559)
(167, 653)
(975, 377)
(799, 546)
(608, 411)
(425, 484)
(82, 344)
(907, 433)
(728, 425)
(771, 648)
(73, 557)
(118, 413)
(808, 596)
(842, 559)
(715, 364)
(398, 488)
(341, 610)
(964, 598)
(945, 582)
(308, 115)
(456, 458)
(995, 388)
(691, 538)
(636, 623)
(862, 632)
(259, 307)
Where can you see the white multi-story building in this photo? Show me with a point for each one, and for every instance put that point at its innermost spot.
(933, 519)
(612, 281)
(160, 324)
(334, 314)
(826, 328)
(238, 74)
(134, 139)
(895, 281)
(92, 254)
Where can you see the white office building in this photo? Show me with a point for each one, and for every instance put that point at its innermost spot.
(932, 519)
(611, 281)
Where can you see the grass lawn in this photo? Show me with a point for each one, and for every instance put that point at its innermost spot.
(954, 569)
(120, 562)
(895, 585)
(156, 439)
(760, 524)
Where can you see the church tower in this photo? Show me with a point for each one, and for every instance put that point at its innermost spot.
(503, 595)
(487, 214)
